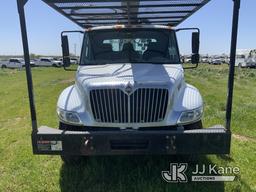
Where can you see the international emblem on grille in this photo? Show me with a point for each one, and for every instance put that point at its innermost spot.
(129, 88)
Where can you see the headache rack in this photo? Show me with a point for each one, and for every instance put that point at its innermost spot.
(90, 13)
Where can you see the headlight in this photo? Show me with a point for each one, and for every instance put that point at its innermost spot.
(69, 117)
(190, 116)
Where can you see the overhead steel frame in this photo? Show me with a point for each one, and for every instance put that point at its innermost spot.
(35, 137)
(109, 12)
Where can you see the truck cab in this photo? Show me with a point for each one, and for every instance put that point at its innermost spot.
(130, 78)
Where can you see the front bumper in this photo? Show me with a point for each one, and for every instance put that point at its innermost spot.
(128, 142)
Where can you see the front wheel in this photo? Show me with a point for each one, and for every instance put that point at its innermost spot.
(70, 159)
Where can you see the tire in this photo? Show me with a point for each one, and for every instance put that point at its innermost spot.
(3, 67)
(54, 65)
(70, 159)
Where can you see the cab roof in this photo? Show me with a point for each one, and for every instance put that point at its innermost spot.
(92, 13)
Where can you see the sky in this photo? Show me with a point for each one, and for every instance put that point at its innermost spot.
(44, 26)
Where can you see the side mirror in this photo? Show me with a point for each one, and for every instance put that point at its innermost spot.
(195, 48)
(65, 51)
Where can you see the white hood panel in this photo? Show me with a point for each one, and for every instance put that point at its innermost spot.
(119, 74)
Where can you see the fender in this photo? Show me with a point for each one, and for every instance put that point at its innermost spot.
(71, 100)
(186, 99)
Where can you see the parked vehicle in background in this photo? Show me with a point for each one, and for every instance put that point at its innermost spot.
(216, 61)
(246, 58)
(251, 62)
(241, 61)
(48, 62)
(205, 59)
(187, 60)
(227, 60)
(224, 58)
(13, 63)
(74, 61)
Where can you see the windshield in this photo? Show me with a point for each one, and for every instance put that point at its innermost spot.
(130, 46)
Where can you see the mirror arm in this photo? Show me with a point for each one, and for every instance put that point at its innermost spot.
(67, 69)
(191, 67)
(188, 29)
(63, 32)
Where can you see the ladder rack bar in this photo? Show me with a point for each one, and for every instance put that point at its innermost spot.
(236, 9)
(21, 4)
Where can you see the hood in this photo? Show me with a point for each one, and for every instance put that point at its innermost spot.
(116, 74)
(121, 74)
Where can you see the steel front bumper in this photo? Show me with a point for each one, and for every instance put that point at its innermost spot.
(200, 141)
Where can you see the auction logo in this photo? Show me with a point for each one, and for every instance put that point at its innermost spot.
(176, 173)
(203, 173)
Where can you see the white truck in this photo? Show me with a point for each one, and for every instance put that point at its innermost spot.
(13, 63)
(216, 61)
(48, 62)
(130, 96)
(205, 59)
(73, 60)
(118, 86)
(246, 58)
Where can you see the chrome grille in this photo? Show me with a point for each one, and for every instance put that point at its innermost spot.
(144, 105)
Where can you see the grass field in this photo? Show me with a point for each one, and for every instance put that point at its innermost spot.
(22, 171)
